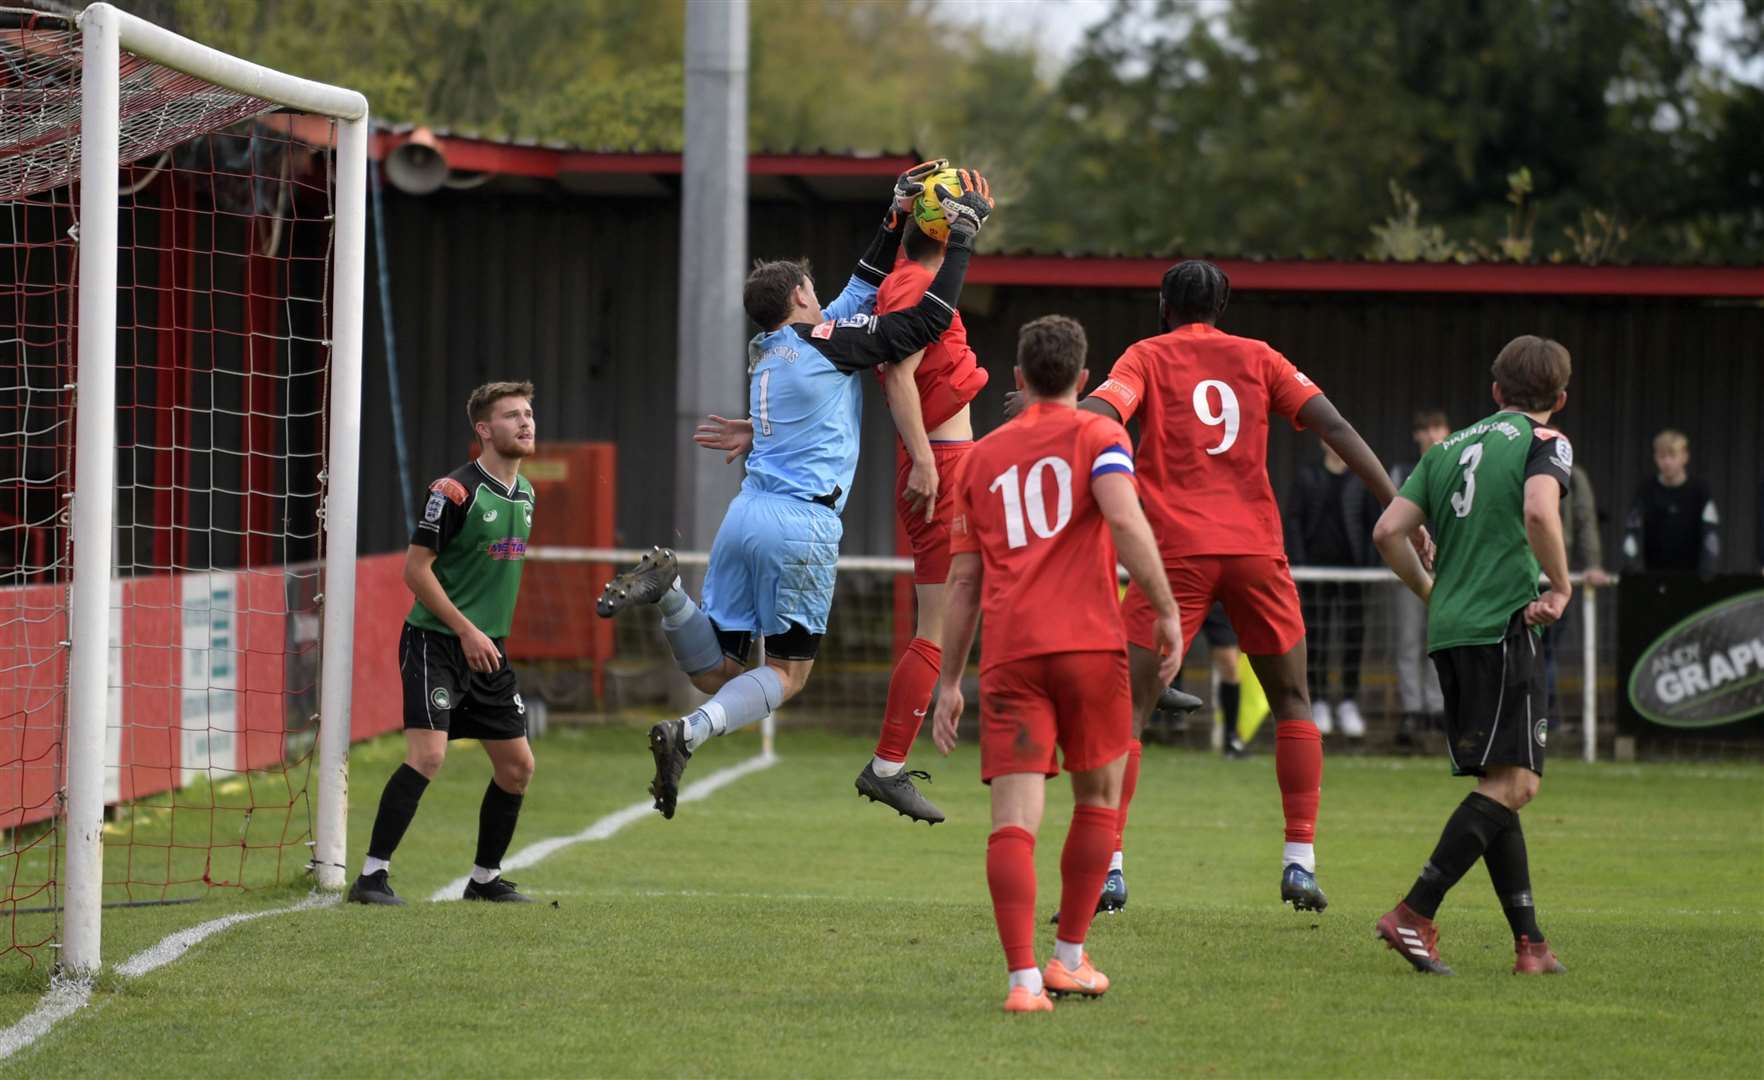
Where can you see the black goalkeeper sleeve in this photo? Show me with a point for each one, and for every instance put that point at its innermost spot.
(863, 341)
(878, 259)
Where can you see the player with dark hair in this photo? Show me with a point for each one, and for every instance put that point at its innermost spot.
(464, 568)
(1205, 399)
(928, 395)
(1041, 508)
(1492, 493)
(773, 561)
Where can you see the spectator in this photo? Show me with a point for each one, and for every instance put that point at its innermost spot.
(1329, 523)
(1417, 681)
(1672, 523)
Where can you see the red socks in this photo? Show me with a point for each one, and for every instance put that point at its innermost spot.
(1129, 781)
(1084, 865)
(909, 698)
(1298, 763)
(1010, 874)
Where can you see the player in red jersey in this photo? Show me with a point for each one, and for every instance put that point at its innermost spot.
(928, 393)
(1205, 399)
(1040, 509)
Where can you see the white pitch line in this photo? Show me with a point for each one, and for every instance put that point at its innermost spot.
(613, 822)
(66, 997)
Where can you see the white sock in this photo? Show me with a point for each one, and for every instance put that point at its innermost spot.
(1115, 861)
(884, 767)
(371, 865)
(1303, 854)
(483, 876)
(706, 721)
(1069, 953)
(1030, 977)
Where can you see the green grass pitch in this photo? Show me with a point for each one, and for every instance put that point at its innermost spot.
(786, 927)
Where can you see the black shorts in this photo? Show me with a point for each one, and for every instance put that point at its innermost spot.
(442, 694)
(795, 643)
(1494, 701)
(1216, 628)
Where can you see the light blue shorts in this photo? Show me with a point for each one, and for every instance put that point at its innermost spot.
(773, 564)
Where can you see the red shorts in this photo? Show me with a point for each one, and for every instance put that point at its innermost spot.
(1257, 592)
(930, 539)
(1081, 702)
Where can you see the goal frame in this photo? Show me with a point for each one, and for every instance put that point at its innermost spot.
(105, 33)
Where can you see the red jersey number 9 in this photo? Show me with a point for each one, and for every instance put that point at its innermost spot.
(1031, 494)
(1227, 414)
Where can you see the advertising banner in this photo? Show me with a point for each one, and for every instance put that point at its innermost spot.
(1691, 656)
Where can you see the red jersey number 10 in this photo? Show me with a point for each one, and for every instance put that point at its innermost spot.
(1017, 494)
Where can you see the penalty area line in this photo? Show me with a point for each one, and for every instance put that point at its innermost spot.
(68, 996)
(605, 827)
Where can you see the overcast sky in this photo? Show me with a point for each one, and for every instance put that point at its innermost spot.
(1058, 25)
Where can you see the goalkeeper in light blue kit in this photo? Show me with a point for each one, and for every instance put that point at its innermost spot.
(772, 563)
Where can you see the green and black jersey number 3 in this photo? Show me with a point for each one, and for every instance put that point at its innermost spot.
(1462, 501)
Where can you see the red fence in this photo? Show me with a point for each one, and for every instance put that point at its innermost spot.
(216, 671)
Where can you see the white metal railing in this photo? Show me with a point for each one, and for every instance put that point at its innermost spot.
(1366, 575)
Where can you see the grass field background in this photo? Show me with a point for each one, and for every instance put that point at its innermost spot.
(786, 927)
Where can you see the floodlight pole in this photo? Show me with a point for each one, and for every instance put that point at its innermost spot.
(713, 262)
(713, 257)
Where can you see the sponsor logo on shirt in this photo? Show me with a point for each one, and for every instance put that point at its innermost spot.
(432, 509)
(823, 331)
(453, 489)
(1564, 454)
(514, 549)
(489, 516)
(1127, 396)
(527, 509)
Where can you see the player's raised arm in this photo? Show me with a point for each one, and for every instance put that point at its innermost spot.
(860, 342)
(908, 411)
(859, 295)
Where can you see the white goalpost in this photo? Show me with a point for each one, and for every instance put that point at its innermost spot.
(107, 36)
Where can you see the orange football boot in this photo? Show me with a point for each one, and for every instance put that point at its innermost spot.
(1086, 981)
(1535, 958)
(1021, 1000)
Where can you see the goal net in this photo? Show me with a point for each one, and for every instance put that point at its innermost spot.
(172, 369)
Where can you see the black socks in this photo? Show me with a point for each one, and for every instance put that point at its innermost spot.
(1510, 871)
(398, 804)
(496, 825)
(1473, 826)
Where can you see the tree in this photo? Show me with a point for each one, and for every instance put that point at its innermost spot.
(1278, 128)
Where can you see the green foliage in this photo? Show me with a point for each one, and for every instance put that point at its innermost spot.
(1266, 127)
(1276, 128)
(784, 927)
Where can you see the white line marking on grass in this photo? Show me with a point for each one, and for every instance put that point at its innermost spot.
(613, 822)
(176, 945)
(66, 997)
(62, 1001)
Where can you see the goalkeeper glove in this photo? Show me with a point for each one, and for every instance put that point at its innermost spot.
(908, 186)
(968, 209)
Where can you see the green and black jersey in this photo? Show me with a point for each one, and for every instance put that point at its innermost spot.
(1472, 488)
(478, 530)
